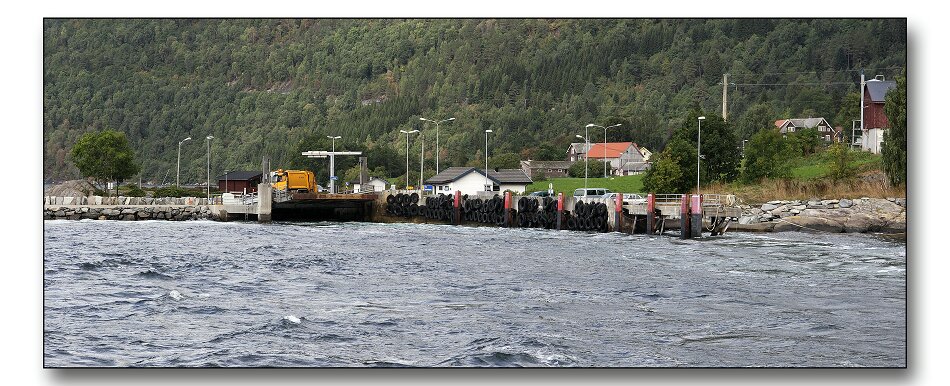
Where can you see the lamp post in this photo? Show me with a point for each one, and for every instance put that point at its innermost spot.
(209, 138)
(605, 142)
(587, 143)
(743, 147)
(178, 169)
(332, 153)
(437, 138)
(699, 134)
(486, 159)
(407, 153)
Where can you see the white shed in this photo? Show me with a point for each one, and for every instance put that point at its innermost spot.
(471, 180)
(375, 184)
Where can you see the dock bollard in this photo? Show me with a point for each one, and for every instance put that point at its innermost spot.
(696, 216)
(684, 218)
(618, 210)
(651, 217)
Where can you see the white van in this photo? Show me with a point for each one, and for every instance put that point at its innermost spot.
(588, 193)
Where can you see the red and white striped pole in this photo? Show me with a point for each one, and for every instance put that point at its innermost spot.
(560, 210)
(651, 218)
(458, 204)
(696, 215)
(618, 213)
(507, 209)
(684, 217)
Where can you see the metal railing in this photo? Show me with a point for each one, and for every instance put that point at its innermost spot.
(668, 199)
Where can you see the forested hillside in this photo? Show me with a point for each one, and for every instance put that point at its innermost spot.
(278, 87)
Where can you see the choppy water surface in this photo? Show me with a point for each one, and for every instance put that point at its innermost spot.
(202, 293)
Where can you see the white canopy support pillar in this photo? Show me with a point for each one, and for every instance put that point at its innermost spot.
(332, 155)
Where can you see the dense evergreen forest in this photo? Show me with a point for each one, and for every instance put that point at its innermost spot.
(277, 87)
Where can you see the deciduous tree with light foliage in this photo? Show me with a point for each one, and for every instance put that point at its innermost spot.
(105, 156)
(766, 156)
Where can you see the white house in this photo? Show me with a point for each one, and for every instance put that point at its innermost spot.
(646, 153)
(375, 184)
(825, 131)
(471, 180)
(576, 151)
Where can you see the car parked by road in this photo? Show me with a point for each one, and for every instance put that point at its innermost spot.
(590, 193)
(628, 198)
(540, 193)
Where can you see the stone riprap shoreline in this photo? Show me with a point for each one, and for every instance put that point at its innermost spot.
(836, 216)
(861, 215)
(125, 208)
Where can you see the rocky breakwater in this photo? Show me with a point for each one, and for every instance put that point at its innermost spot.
(125, 208)
(836, 216)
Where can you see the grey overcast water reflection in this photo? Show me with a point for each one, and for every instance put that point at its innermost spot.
(201, 293)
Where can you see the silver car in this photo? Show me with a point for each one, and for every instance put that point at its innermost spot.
(628, 198)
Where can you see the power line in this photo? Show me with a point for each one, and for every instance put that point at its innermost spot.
(792, 84)
(816, 72)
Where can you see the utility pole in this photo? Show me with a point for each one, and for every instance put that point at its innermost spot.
(725, 103)
(862, 109)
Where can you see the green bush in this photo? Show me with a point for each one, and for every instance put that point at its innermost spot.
(595, 168)
(134, 191)
(175, 191)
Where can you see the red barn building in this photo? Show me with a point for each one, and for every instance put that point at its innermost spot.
(875, 121)
(240, 181)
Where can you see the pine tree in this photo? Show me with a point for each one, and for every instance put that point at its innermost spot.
(894, 150)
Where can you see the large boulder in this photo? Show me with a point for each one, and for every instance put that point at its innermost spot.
(73, 188)
(861, 223)
(806, 224)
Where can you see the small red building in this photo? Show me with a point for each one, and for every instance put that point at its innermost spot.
(238, 181)
(875, 121)
(874, 92)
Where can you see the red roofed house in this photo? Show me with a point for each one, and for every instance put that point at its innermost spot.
(875, 122)
(624, 157)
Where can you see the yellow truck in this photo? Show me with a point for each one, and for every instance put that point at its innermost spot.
(294, 181)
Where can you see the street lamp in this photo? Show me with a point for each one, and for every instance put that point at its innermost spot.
(743, 147)
(407, 153)
(209, 138)
(699, 134)
(178, 169)
(605, 143)
(437, 139)
(332, 152)
(587, 143)
(486, 159)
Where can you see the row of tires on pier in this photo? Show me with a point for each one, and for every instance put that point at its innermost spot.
(531, 212)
